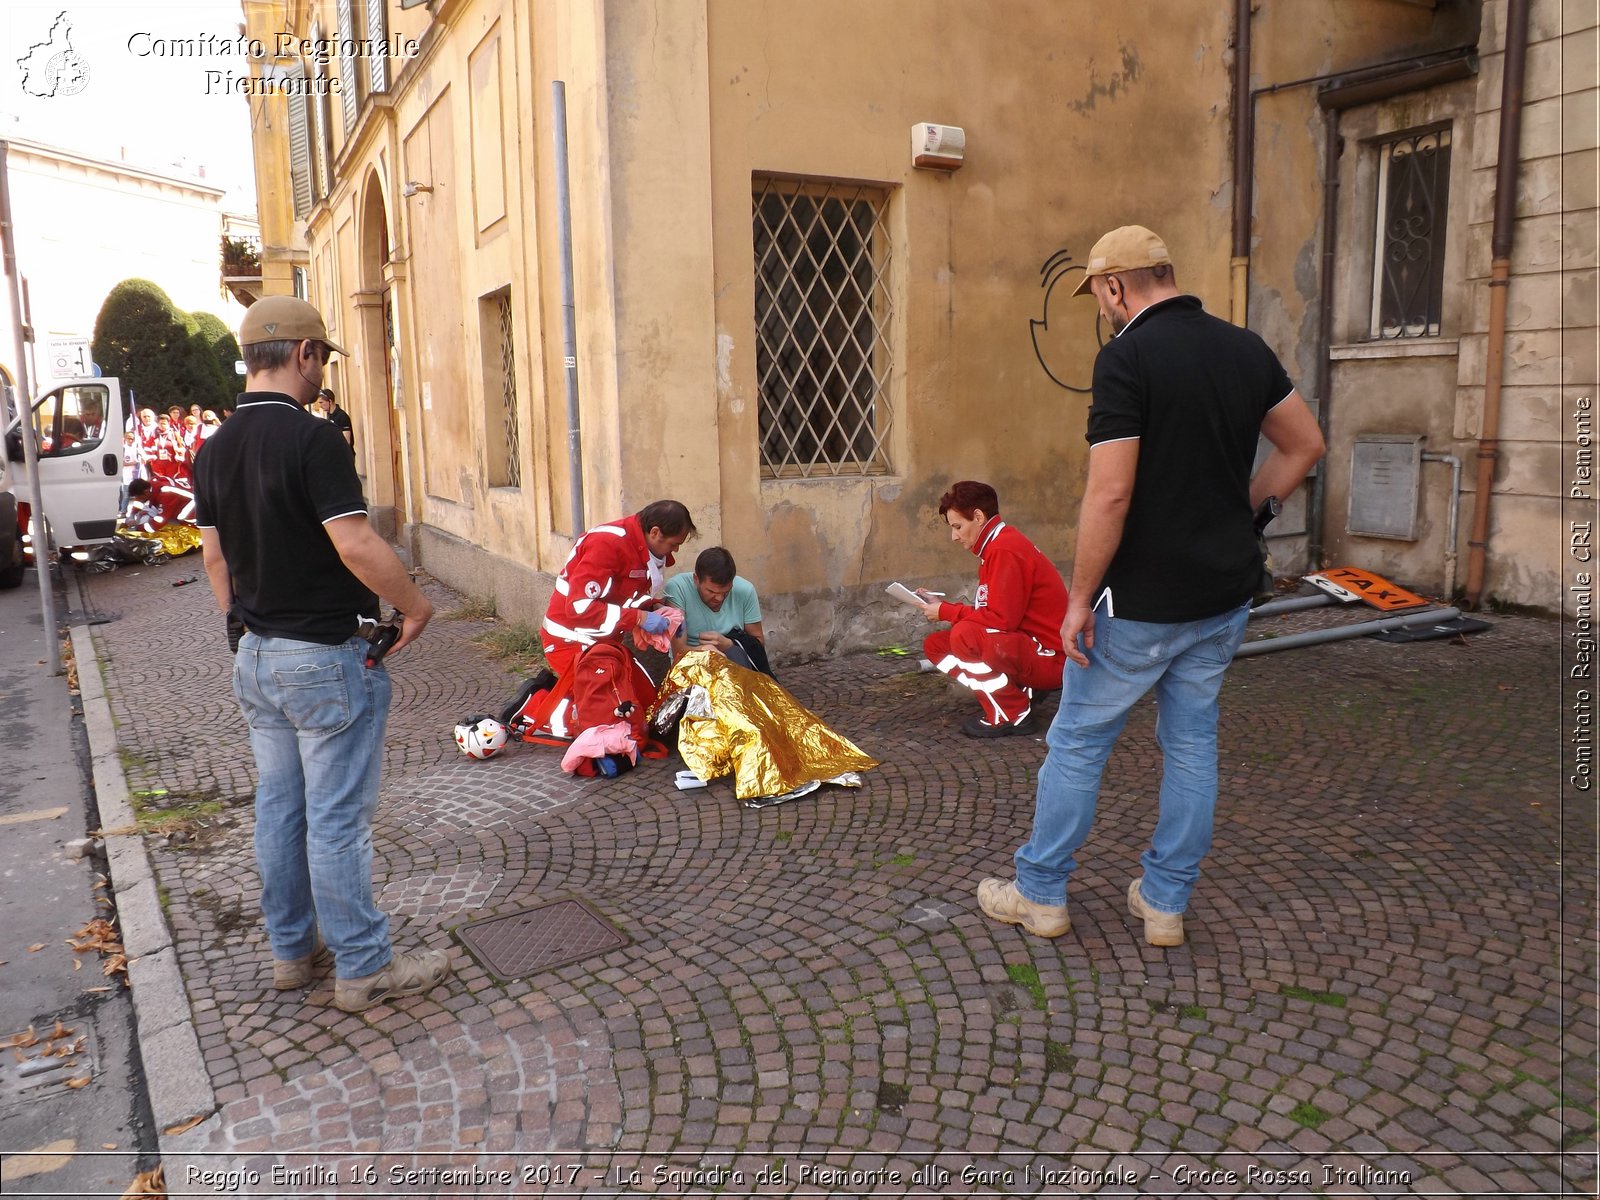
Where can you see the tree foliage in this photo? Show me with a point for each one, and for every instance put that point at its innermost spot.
(223, 347)
(157, 350)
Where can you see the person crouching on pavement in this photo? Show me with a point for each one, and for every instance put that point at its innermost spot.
(1007, 645)
(720, 610)
(608, 587)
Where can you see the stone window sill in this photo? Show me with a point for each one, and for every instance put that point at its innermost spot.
(1398, 348)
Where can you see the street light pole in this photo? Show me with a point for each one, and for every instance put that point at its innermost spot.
(24, 393)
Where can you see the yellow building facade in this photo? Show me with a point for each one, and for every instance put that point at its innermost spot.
(779, 317)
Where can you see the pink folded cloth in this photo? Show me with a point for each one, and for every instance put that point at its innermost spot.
(600, 740)
(660, 641)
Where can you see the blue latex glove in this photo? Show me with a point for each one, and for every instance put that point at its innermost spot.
(654, 622)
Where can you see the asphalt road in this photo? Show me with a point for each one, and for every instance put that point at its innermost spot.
(92, 1139)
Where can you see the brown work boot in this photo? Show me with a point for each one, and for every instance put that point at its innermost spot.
(1000, 899)
(1160, 929)
(291, 973)
(407, 974)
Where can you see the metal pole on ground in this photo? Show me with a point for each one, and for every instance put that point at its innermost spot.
(1291, 604)
(1316, 637)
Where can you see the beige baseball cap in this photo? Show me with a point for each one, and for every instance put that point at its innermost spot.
(284, 319)
(1128, 248)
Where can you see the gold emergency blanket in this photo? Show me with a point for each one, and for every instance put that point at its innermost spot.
(175, 537)
(768, 740)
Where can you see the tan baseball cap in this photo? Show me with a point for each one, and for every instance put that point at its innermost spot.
(284, 319)
(1128, 248)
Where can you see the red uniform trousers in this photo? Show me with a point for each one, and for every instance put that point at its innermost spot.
(1002, 667)
(561, 658)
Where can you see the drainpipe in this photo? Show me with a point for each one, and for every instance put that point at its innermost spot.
(1243, 166)
(1505, 211)
(569, 325)
(1455, 511)
(1317, 501)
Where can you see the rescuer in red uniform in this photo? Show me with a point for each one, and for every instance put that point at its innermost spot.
(608, 586)
(1007, 644)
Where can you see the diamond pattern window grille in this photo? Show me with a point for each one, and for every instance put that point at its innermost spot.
(505, 451)
(1413, 199)
(823, 311)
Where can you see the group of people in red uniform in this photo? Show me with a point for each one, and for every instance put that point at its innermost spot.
(161, 449)
(1005, 646)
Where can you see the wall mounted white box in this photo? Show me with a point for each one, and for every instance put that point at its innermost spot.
(938, 147)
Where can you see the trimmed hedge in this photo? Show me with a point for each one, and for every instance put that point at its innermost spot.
(158, 351)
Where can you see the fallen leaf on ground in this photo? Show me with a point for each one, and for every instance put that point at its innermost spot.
(97, 989)
(61, 1031)
(77, 964)
(35, 948)
(182, 1126)
(108, 1145)
(81, 1081)
(23, 1039)
(151, 1184)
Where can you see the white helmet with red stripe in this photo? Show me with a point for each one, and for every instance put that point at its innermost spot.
(481, 736)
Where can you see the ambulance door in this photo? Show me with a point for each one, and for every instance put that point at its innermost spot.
(80, 424)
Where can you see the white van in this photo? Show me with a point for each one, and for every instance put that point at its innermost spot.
(80, 423)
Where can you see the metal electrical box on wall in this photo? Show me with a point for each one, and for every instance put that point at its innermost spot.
(1385, 477)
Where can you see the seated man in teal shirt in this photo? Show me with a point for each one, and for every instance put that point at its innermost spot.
(719, 610)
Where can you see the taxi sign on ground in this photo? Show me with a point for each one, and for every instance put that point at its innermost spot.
(1352, 583)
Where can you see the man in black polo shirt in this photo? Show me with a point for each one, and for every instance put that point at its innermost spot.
(327, 407)
(289, 551)
(1165, 567)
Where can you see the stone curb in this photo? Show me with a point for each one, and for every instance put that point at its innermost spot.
(174, 1070)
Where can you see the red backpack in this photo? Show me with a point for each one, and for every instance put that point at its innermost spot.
(604, 691)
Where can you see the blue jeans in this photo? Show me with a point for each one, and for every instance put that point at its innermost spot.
(1184, 664)
(317, 717)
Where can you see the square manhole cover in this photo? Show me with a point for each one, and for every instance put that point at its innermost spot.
(528, 942)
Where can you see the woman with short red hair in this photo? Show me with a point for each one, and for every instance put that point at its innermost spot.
(1007, 644)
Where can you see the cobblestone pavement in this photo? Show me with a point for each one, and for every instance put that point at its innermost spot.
(1388, 988)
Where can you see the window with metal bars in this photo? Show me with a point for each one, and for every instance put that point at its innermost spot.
(502, 437)
(1413, 201)
(823, 309)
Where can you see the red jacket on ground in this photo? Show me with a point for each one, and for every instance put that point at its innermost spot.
(602, 588)
(1019, 589)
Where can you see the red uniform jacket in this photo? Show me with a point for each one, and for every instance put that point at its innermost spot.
(1019, 589)
(602, 587)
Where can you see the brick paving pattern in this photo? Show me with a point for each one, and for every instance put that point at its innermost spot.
(1390, 965)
